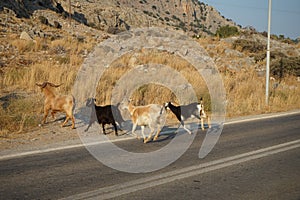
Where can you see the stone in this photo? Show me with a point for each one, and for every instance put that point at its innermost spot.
(25, 36)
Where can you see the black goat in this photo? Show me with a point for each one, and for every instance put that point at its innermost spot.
(108, 114)
(184, 112)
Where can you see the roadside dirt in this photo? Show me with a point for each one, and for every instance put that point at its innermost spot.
(50, 135)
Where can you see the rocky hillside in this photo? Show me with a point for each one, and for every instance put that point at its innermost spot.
(114, 16)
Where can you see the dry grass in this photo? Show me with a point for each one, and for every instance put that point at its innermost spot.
(58, 61)
(20, 115)
(246, 94)
(150, 93)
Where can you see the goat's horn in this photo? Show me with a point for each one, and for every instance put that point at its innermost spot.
(41, 85)
(53, 85)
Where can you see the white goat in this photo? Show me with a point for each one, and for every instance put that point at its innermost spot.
(152, 115)
(57, 103)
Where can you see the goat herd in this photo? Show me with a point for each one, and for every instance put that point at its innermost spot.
(152, 115)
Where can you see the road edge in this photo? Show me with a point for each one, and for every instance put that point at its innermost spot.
(21, 153)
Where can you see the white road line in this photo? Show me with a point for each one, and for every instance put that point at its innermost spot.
(263, 116)
(57, 149)
(15, 155)
(167, 177)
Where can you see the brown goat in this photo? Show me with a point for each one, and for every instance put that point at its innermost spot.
(57, 103)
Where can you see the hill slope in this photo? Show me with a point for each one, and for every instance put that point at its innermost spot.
(118, 15)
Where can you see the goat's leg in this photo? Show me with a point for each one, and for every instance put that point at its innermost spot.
(73, 121)
(53, 115)
(187, 129)
(201, 118)
(157, 133)
(133, 131)
(116, 130)
(87, 128)
(183, 125)
(46, 112)
(202, 123)
(143, 128)
(103, 128)
(150, 135)
(66, 120)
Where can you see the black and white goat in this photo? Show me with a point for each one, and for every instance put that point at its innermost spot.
(108, 114)
(183, 112)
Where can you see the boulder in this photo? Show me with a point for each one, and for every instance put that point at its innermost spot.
(25, 36)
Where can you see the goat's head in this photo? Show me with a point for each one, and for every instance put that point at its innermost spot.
(90, 102)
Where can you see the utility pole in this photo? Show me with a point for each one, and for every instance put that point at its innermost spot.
(268, 54)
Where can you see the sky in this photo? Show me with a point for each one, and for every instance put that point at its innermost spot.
(285, 14)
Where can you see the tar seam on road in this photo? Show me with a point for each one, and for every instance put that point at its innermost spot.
(167, 177)
(15, 155)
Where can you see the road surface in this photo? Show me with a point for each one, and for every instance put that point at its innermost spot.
(257, 159)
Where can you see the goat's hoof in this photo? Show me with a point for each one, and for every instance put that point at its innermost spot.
(147, 140)
(155, 138)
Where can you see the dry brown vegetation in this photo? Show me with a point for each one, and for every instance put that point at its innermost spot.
(151, 93)
(58, 61)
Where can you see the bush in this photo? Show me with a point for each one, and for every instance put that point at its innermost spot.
(227, 31)
(57, 25)
(284, 66)
(43, 20)
(248, 45)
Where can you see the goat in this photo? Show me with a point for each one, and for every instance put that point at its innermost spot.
(104, 115)
(184, 112)
(57, 103)
(152, 115)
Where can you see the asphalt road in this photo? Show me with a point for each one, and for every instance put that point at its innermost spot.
(257, 159)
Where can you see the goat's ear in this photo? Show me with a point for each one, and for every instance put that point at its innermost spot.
(40, 85)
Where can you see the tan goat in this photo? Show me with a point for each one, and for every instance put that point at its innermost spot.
(152, 115)
(57, 103)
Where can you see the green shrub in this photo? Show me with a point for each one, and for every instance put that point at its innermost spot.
(227, 31)
(248, 45)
